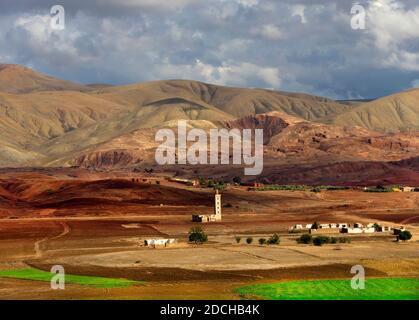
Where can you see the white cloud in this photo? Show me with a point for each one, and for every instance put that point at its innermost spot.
(271, 32)
(392, 27)
(227, 74)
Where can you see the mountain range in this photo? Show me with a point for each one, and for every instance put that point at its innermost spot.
(51, 122)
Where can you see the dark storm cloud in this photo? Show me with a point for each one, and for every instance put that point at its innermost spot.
(296, 45)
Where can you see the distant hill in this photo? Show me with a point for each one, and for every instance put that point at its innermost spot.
(394, 113)
(19, 79)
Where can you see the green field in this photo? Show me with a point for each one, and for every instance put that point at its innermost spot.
(40, 275)
(375, 289)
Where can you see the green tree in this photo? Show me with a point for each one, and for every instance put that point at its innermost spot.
(197, 235)
(404, 235)
(262, 241)
(377, 227)
(315, 225)
(274, 239)
(320, 240)
(249, 240)
(305, 238)
(238, 239)
(237, 180)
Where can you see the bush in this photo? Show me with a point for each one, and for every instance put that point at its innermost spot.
(333, 240)
(305, 238)
(344, 240)
(262, 241)
(316, 189)
(228, 205)
(377, 227)
(320, 240)
(197, 235)
(315, 225)
(404, 235)
(275, 187)
(249, 240)
(237, 180)
(274, 239)
(238, 239)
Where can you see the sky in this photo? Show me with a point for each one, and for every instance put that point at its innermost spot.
(291, 45)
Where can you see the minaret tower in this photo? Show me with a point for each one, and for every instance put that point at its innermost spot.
(217, 207)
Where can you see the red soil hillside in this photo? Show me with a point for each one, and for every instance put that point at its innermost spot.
(74, 193)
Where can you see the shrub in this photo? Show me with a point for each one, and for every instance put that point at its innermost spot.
(316, 189)
(262, 241)
(197, 235)
(274, 239)
(320, 240)
(333, 240)
(344, 240)
(237, 180)
(404, 235)
(228, 205)
(249, 240)
(377, 227)
(305, 238)
(238, 239)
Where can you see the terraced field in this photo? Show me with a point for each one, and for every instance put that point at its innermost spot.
(375, 289)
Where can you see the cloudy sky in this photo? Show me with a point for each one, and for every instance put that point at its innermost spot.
(293, 45)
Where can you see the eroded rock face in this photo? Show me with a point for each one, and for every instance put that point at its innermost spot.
(105, 159)
(272, 123)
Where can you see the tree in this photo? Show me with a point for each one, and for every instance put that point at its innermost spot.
(315, 225)
(262, 241)
(305, 238)
(316, 189)
(237, 180)
(238, 239)
(274, 239)
(404, 235)
(377, 227)
(197, 235)
(249, 240)
(320, 240)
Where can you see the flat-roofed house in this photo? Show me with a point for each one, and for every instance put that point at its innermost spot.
(158, 242)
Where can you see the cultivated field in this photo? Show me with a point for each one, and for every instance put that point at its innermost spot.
(94, 225)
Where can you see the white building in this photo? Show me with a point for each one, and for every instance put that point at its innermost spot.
(158, 242)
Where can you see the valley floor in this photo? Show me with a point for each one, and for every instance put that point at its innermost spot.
(59, 220)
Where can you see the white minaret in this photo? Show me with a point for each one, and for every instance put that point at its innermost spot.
(217, 207)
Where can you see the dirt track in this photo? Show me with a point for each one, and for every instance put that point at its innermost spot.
(105, 239)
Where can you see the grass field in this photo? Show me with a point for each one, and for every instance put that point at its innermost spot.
(40, 275)
(375, 289)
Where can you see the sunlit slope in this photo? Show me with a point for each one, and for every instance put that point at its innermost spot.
(398, 112)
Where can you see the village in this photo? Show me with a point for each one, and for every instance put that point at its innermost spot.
(312, 228)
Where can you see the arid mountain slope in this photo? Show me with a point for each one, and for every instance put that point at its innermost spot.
(19, 79)
(50, 122)
(237, 102)
(395, 113)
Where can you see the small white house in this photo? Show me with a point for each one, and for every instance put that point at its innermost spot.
(308, 226)
(352, 230)
(298, 227)
(158, 242)
(368, 230)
